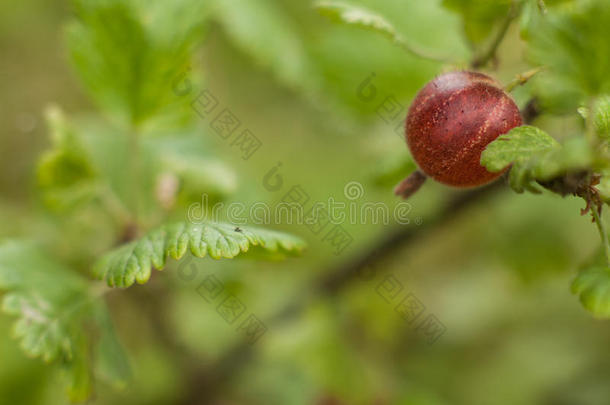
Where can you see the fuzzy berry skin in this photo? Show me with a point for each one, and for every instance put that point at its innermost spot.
(451, 121)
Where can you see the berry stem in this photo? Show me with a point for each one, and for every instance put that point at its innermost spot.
(410, 185)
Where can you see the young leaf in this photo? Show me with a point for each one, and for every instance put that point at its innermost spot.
(593, 287)
(52, 304)
(133, 262)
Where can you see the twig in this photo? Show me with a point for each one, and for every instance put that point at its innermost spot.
(334, 280)
(490, 52)
(207, 383)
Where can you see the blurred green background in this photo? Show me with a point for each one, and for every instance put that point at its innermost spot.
(496, 274)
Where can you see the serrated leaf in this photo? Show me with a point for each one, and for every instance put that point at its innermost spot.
(133, 262)
(593, 287)
(518, 145)
(52, 305)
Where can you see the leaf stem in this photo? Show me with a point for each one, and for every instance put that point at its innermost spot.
(489, 53)
(523, 78)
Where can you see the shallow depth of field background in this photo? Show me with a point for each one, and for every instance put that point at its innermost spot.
(496, 275)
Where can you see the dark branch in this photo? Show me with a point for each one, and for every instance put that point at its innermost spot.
(208, 382)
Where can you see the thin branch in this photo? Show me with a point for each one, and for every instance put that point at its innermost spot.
(208, 382)
(483, 58)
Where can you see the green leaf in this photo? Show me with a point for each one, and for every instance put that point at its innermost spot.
(574, 44)
(263, 31)
(65, 174)
(133, 262)
(127, 53)
(519, 145)
(535, 156)
(52, 304)
(593, 287)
